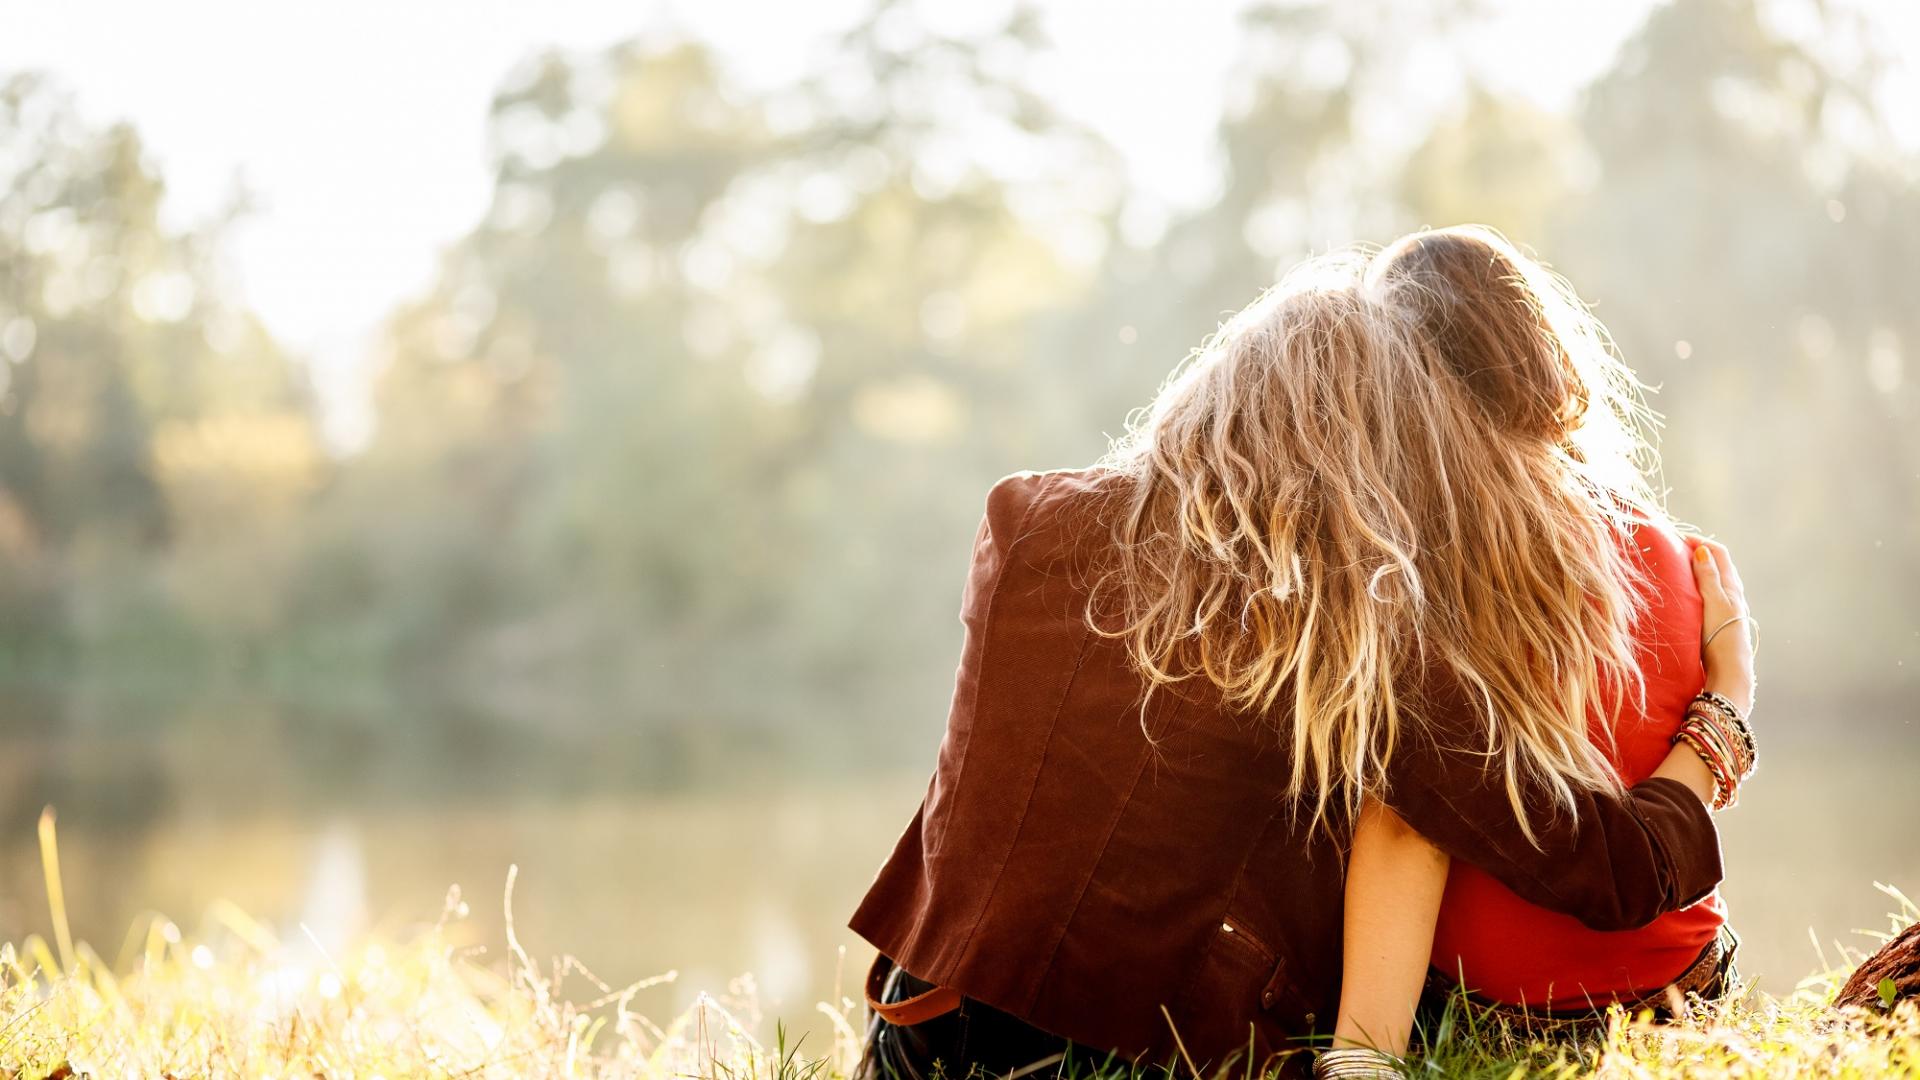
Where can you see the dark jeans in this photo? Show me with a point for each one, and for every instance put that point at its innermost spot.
(973, 1040)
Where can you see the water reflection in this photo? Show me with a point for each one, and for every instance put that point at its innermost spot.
(334, 912)
(638, 853)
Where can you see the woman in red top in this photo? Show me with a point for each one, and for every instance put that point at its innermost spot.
(1408, 906)
(1511, 951)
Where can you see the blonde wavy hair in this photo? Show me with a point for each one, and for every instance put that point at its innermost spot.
(1393, 466)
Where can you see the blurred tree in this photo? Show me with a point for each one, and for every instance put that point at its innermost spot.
(667, 423)
(142, 412)
(75, 209)
(1496, 161)
(696, 422)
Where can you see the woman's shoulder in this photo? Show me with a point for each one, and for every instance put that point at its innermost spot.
(1027, 501)
(1661, 545)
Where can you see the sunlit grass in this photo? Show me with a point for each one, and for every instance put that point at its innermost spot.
(237, 1001)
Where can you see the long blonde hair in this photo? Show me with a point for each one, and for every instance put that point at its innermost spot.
(1391, 466)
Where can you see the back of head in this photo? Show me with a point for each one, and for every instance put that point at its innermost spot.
(1390, 468)
(1539, 365)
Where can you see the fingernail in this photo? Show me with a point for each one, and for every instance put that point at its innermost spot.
(1700, 554)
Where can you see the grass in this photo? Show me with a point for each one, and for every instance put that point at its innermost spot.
(239, 1002)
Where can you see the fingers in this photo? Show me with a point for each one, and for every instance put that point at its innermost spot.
(1713, 568)
(1706, 572)
(1722, 558)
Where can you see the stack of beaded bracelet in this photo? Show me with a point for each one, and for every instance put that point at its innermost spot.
(1722, 737)
(1356, 1063)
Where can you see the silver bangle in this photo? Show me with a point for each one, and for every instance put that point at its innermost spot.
(1755, 623)
(1357, 1063)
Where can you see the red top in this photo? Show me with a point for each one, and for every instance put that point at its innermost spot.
(1514, 951)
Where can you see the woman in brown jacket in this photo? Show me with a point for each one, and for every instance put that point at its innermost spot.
(1337, 561)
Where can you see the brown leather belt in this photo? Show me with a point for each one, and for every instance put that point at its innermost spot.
(917, 1009)
(1706, 970)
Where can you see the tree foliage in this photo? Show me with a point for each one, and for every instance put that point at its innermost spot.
(694, 426)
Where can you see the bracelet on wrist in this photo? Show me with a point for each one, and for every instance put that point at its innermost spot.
(1715, 730)
(1733, 715)
(1716, 708)
(1356, 1063)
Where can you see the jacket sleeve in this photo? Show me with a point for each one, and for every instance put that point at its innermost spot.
(1615, 861)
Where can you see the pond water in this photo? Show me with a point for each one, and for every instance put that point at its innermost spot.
(713, 857)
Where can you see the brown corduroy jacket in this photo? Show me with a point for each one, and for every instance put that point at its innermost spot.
(1064, 869)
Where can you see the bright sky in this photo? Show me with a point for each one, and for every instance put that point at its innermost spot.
(359, 125)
